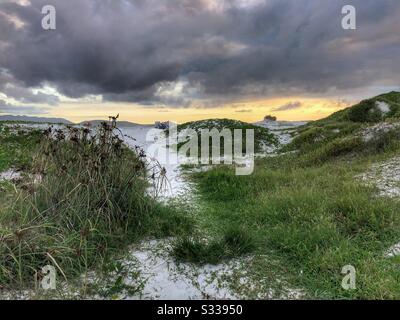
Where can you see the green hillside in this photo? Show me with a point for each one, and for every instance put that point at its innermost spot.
(263, 137)
(365, 128)
(306, 213)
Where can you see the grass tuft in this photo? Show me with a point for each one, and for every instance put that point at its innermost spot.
(85, 200)
(234, 243)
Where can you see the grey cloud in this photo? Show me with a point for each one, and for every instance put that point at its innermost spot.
(288, 106)
(15, 89)
(125, 50)
(6, 108)
(26, 96)
(150, 97)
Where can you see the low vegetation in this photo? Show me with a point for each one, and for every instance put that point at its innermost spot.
(84, 200)
(343, 133)
(16, 147)
(369, 111)
(235, 241)
(314, 220)
(262, 136)
(306, 210)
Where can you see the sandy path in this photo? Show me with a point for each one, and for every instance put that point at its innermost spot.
(154, 144)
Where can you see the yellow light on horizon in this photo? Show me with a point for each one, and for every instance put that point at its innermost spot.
(249, 111)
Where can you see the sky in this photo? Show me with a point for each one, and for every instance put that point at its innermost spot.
(184, 60)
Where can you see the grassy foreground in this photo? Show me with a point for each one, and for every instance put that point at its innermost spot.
(82, 200)
(313, 220)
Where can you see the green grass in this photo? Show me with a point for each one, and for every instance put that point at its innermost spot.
(306, 214)
(234, 241)
(330, 139)
(314, 220)
(90, 205)
(366, 111)
(16, 149)
(343, 125)
(315, 134)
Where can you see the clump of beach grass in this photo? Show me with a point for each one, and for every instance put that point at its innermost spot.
(90, 202)
(234, 242)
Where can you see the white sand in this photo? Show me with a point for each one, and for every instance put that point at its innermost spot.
(393, 251)
(282, 129)
(154, 144)
(386, 177)
(383, 107)
(9, 175)
(167, 280)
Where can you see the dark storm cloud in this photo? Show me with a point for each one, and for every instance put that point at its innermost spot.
(16, 90)
(127, 50)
